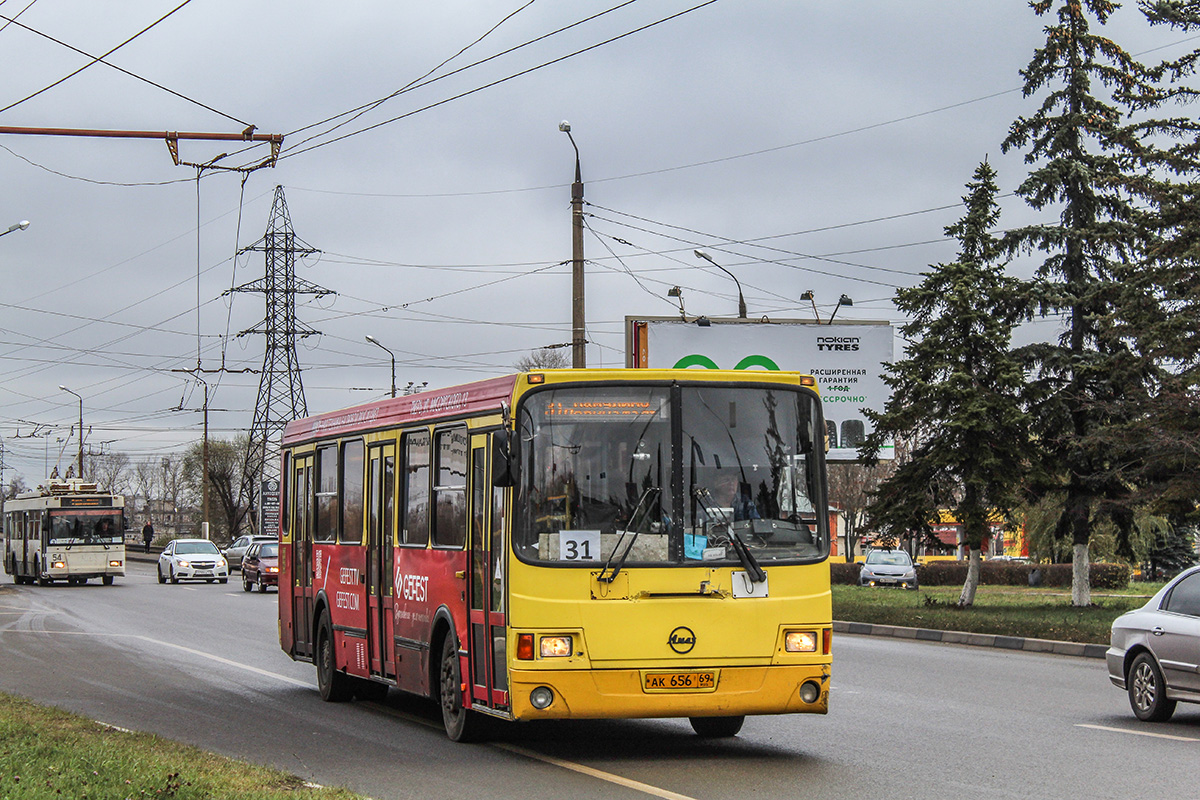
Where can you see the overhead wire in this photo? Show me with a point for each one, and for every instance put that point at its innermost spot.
(124, 71)
(498, 81)
(95, 59)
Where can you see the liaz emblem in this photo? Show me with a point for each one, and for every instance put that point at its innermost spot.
(682, 640)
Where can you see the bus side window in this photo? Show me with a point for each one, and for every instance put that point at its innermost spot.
(414, 525)
(450, 524)
(352, 492)
(327, 494)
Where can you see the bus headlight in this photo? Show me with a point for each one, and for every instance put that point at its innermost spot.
(555, 647)
(114, 563)
(800, 641)
(541, 697)
(58, 565)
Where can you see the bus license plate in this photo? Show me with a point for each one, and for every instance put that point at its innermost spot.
(680, 681)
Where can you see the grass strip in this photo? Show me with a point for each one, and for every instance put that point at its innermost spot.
(49, 753)
(999, 610)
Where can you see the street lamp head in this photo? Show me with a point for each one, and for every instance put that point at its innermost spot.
(808, 295)
(16, 226)
(564, 126)
(702, 255)
(845, 300)
(65, 389)
(371, 339)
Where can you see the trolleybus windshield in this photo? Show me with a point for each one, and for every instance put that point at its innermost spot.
(661, 475)
(86, 527)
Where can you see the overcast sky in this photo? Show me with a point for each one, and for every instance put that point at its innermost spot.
(832, 140)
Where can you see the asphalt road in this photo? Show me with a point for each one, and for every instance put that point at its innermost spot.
(200, 663)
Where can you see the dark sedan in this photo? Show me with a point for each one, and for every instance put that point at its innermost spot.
(1155, 652)
(260, 566)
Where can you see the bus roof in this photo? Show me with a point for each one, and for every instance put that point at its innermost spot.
(486, 396)
(462, 400)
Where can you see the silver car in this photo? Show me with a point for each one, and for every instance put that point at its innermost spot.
(888, 568)
(238, 547)
(1155, 651)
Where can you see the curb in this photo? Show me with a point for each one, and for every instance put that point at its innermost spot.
(974, 639)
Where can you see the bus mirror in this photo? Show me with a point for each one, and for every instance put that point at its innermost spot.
(504, 471)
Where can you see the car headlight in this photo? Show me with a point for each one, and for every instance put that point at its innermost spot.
(183, 562)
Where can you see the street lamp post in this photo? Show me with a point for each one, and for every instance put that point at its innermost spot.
(17, 226)
(68, 391)
(741, 300)
(578, 339)
(375, 342)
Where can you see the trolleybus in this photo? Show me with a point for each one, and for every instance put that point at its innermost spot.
(566, 544)
(64, 530)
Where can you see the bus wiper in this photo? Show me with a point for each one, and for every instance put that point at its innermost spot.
(749, 563)
(635, 520)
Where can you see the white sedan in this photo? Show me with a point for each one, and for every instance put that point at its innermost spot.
(192, 559)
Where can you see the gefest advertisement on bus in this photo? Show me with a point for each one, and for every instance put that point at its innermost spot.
(846, 358)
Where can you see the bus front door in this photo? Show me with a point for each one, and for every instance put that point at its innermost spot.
(488, 647)
(381, 505)
(301, 555)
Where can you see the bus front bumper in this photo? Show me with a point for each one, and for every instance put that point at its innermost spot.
(624, 693)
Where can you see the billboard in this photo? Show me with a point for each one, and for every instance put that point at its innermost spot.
(846, 358)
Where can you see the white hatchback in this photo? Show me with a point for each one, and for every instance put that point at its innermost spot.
(193, 560)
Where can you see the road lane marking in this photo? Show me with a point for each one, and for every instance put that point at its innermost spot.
(1139, 733)
(189, 650)
(628, 783)
(637, 786)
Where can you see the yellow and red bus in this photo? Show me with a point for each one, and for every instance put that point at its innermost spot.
(566, 544)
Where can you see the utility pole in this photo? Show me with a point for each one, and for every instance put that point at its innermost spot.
(578, 325)
(280, 391)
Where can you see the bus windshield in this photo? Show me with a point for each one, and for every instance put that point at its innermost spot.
(86, 527)
(662, 475)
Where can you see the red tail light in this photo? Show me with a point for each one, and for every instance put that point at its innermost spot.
(525, 646)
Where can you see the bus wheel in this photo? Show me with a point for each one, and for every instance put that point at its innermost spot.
(716, 727)
(42, 580)
(461, 725)
(107, 580)
(13, 569)
(336, 687)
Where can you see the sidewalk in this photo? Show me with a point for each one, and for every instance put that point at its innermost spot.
(973, 639)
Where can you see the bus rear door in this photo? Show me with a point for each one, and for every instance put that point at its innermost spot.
(301, 556)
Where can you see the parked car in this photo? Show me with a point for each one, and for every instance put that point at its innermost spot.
(1154, 652)
(238, 547)
(260, 566)
(192, 559)
(888, 568)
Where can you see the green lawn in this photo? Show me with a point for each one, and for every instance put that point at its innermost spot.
(1001, 610)
(47, 753)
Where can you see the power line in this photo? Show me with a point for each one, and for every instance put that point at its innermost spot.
(94, 60)
(13, 21)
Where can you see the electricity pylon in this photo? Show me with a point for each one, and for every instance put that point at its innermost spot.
(280, 390)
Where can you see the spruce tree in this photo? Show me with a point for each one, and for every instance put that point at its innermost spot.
(1083, 155)
(956, 393)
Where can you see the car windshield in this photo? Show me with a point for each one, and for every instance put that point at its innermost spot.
(891, 558)
(670, 475)
(196, 549)
(86, 527)
(269, 550)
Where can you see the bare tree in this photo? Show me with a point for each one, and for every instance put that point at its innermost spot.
(851, 485)
(544, 358)
(111, 472)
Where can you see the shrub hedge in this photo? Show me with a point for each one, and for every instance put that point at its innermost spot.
(997, 573)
